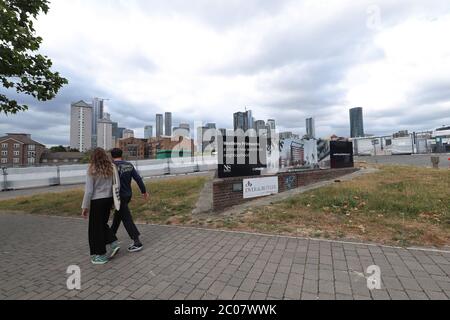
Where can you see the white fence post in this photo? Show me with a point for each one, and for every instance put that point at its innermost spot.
(4, 179)
(58, 176)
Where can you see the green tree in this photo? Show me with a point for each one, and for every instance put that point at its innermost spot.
(58, 149)
(86, 157)
(21, 68)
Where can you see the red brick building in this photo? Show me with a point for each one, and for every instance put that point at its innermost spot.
(18, 149)
(153, 148)
(134, 148)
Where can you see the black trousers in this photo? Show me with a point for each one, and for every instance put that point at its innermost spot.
(124, 215)
(99, 232)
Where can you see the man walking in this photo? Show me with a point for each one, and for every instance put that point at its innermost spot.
(126, 173)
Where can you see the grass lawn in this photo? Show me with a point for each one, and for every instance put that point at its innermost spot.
(396, 205)
(171, 201)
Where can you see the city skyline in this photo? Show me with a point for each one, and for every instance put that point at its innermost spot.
(166, 127)
(367, 57)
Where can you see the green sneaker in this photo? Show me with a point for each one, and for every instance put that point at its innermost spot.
(99, 259)
(114, 249)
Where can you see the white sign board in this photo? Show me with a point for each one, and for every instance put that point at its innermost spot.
(260, 187)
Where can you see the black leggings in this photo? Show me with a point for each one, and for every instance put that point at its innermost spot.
(99, 232)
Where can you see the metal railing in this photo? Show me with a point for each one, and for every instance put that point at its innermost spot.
(32, 177)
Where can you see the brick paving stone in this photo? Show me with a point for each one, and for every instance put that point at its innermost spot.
(433, 295)
(277, 290)
(380, 295)
(293, 292)
(258, 296)
(428, 284)
(309, 296)
(410, 284)
(242, 295)
(248, 285)
(310, 286)
(397, 294)
(343, 297)
(261, 287)
(326, 286)
(417, 295)
(343, 288)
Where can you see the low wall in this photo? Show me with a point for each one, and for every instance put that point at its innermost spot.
(44, 176)
(224, 196)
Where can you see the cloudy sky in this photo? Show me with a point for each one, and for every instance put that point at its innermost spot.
(288, 60)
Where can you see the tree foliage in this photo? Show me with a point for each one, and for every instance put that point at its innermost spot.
(21, 68)
(61, 148)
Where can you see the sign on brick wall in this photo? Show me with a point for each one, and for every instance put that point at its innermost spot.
(260, 187)
(240, 156)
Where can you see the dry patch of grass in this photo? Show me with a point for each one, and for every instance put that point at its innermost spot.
(396, 205)
(171, 201)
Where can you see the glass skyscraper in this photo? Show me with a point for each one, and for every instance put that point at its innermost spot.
(356, 123)
(168, 124)
(159, 125)
(148, 132)
(310, 128)
(243, 120)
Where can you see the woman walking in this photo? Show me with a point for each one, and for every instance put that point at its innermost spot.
(97, 204)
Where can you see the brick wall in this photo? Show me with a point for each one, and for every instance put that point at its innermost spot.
(224, 196)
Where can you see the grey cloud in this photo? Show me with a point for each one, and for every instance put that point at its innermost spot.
(139, 62)
(307, 86)
(218, 14)
(339, 36)
(437, 91)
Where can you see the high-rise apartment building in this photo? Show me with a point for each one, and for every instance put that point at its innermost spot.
(259, 126)
(310, 128)
(168, 124)
(104, 134)
(251, 119)
(115, 132)
(159, 125)
(119, 134)
(97, 114)
(356, 123)
(148, 132)
(81, 120)
(242, 120)
(271, 123)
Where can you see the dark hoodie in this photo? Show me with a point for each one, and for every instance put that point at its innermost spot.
(126, 173)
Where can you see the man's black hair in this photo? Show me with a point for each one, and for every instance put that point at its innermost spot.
(116, 153)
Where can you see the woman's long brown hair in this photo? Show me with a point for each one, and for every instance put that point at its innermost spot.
(100, 164)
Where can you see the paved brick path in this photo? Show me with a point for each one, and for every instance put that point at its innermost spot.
(181, 263)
